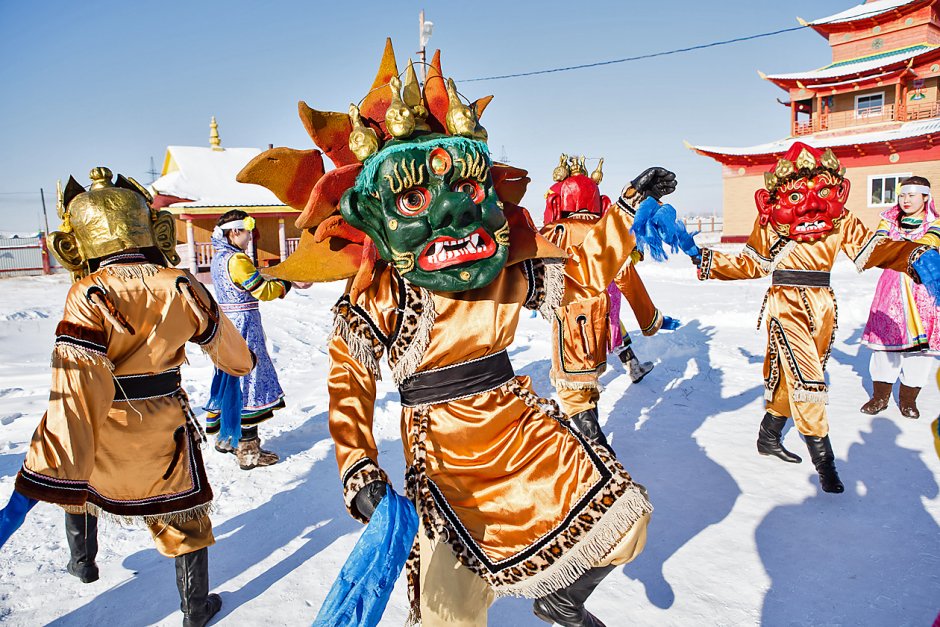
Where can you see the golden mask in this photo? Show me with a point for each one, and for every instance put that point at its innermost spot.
(805, 160)
(109, 218)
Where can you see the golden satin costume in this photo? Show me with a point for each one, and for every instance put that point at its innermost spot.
(522, 500)
(133, 458)
(801, 321)
(578, 394)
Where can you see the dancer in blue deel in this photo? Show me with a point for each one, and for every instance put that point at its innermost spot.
(238, 405)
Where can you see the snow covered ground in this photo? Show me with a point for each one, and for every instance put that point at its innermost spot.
(736, 538)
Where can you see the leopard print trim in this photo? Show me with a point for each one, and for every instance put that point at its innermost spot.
(705, 265)
(410, 341)
(861, 259)
(594, 526)
(915, 255)
(803, 390)
(781, 253)
(356, 477)
(363, 336)
(546, 281)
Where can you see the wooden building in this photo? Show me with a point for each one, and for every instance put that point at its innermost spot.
(876, 106)
(198, 185)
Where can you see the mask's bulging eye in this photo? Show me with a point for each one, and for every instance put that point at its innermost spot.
(795, 197)
(413, 201)
(471, 188)
(824, 192)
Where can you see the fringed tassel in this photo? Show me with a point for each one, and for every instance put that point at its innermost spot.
(862, 259)
(783, 254)
(810, 396)
(560, 383)
(554, 287)
(132, 271)
(360, 350)
(69, 352)
(588, 552)
(411, 358)
(186, 291)
(171, 518)
(110, 312)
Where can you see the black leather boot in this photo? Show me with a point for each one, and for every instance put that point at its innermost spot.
(768, 439)
(81, 531)
(586, 423)
(192, 579)
(566, 606)
(820, 451)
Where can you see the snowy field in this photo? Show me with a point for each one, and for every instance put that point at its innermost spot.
(736, 538)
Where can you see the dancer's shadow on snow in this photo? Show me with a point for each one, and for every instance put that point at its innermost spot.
(872, 548)
(688, 489)
(312, 511)
(859, 361)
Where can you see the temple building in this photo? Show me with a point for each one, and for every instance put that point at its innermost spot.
(198, 185)
(876, 105)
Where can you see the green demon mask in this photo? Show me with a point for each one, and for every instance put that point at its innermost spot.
(429, 206)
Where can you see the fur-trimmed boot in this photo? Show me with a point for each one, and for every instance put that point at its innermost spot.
(586, 422)
(81, 531)
(881, 394)
(192, 579)
(768, 439)
(635, 367)
(249, 452)
(820, 451)
(566, 606)
(907, 401)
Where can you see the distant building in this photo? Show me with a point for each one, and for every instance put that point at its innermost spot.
(198, 185)
(875, 105)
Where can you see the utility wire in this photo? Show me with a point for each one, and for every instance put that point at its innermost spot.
(652, 55)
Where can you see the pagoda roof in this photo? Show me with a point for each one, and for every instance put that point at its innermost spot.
(907, 130)
(870, 12)
(206, 177)
(843, 70)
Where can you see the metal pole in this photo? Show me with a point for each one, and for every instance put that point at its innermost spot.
(421, 48)
(42, 195)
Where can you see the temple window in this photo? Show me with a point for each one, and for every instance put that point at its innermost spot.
(882, 189)
(870, 105)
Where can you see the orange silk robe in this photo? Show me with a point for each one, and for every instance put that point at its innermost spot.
(521, 498)
(135, 458)
(578, 394)
(801, 321)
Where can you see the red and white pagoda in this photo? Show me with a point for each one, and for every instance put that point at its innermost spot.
(876, 105)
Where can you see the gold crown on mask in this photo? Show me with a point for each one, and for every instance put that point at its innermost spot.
(786, 169)
(397, 107)
(573, 165)
(108, 218)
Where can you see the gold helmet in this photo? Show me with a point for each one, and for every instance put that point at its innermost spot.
(107, 219)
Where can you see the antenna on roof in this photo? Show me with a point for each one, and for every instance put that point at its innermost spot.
(214, 140)
(152, 171)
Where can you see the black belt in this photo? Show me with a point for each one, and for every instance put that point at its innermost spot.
(801, 278)
(139, 387)
(458, 381)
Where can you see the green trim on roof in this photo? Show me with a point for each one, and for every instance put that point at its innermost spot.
(880, 55)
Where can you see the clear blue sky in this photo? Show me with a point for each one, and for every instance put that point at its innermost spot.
(114, 82)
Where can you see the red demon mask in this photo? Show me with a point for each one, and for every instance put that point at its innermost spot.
(805, 194)
(576, 194)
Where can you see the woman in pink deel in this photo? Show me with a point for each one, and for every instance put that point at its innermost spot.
(903, 329)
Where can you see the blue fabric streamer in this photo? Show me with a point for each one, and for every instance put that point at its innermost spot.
(670, 324)
(360, 593)
(928, 269)
(13, 515)
(226, 394)
(656, 226)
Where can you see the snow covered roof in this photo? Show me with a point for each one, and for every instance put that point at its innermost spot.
(862, 11)
(207, 177)
(857, 66)
(905, 131)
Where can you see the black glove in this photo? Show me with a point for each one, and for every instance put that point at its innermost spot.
(655, 182)
(368, 498)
